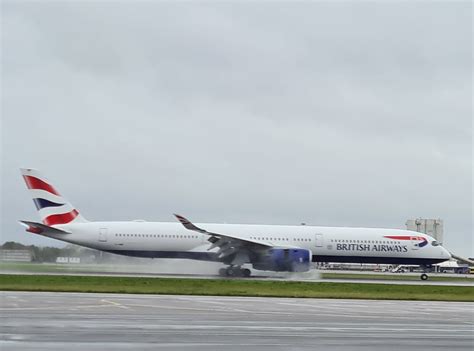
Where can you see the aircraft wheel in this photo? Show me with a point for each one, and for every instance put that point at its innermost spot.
(246, 272)
(424, 276)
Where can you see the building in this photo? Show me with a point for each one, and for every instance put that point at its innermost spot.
(15, 255)
(432, 227)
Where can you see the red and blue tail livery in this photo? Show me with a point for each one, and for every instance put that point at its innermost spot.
(52, 207)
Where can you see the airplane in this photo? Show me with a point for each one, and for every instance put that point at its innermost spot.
(280, 248)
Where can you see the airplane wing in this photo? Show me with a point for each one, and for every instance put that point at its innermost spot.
(227, 244)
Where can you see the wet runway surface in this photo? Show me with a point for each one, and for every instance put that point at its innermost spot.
(73, 321)
(302, 277)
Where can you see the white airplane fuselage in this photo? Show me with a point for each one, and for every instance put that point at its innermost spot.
(327, 244)
(265, 247)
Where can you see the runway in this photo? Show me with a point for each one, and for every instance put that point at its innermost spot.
(302, 277)
(73, 321)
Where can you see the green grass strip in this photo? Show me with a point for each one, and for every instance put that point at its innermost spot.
(234, 287)
(395, 276)
(26, 267)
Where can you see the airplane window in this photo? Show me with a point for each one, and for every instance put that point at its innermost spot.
(435, 243)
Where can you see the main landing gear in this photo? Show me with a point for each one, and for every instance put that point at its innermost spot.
(234, 271)
(424, 276)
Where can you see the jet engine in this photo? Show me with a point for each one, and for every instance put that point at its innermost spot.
(285, 260)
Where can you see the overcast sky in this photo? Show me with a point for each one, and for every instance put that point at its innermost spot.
(329, 113)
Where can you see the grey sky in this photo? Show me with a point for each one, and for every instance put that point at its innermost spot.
(346, 113)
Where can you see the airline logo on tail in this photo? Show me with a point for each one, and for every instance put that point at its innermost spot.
(52, 207)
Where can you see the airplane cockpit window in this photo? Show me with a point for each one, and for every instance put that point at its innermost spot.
(435, 243)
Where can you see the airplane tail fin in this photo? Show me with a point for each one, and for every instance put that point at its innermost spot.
(52, 207)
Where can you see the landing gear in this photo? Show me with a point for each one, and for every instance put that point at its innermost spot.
(234, 271)
(426, 269)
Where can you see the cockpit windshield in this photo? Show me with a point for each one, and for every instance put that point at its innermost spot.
(435, 243)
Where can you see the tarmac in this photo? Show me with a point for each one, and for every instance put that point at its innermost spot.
(76, 321)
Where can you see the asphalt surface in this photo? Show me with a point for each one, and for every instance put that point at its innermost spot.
(72, 321)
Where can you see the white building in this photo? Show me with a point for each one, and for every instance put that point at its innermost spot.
(432, 227)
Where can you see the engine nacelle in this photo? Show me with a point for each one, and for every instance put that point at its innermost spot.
(285, 260)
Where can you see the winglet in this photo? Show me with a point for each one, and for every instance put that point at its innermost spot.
(188, 225)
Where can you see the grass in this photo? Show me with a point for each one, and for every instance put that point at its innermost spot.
(395, 276)
(233, 287)
(27, 267)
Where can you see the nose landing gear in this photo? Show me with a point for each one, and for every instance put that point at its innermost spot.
(234, 271)
(426, 270)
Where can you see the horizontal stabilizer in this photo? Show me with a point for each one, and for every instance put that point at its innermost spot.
(39, 228)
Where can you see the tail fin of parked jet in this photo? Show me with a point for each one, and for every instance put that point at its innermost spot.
(52, 207)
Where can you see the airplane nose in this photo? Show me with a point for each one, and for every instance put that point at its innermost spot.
(446, 254)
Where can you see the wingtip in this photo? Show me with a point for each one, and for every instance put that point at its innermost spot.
(180, 218)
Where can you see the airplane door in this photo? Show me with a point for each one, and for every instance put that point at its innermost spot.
(319, 240)
(103, 235)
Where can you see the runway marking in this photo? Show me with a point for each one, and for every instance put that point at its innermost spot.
(226, 306)
(116, 304)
